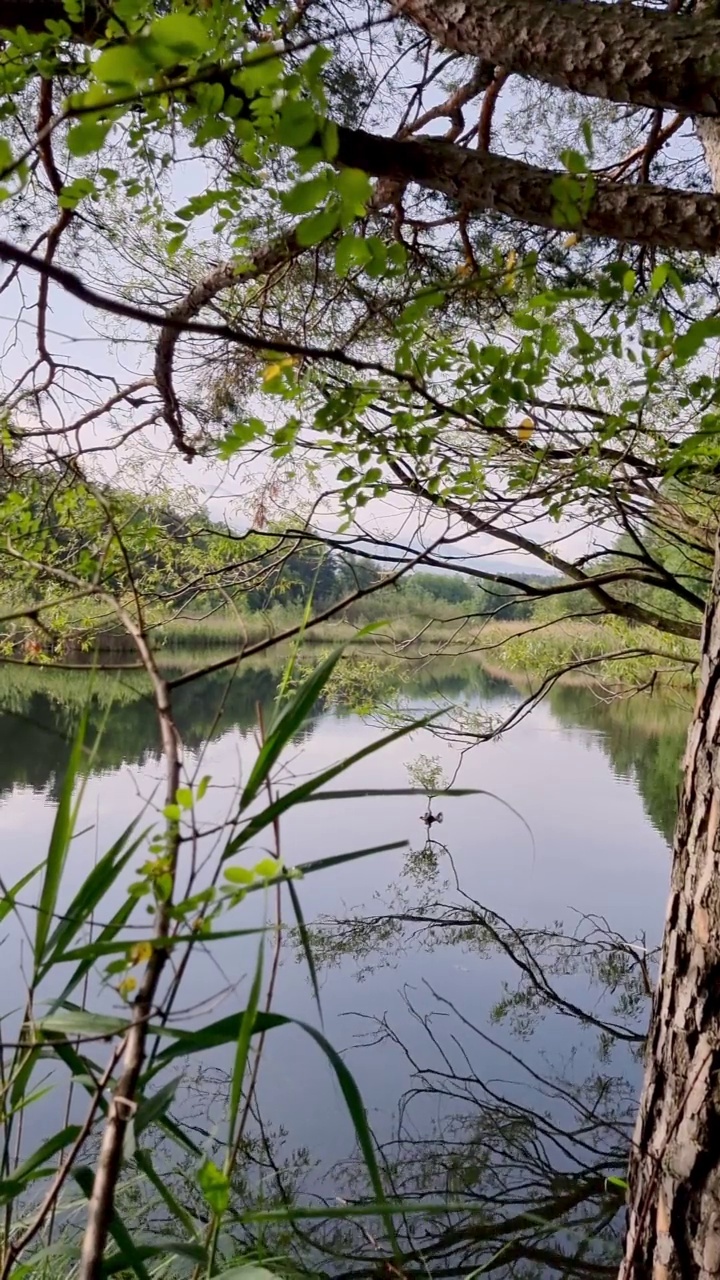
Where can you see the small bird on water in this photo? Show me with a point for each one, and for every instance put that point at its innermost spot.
(429, 818)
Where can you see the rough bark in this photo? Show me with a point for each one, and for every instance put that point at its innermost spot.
(478, 181)
(615, 51)
(674, 1212)
(708, 130)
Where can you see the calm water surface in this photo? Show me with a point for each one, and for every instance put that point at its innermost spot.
(494, 1063)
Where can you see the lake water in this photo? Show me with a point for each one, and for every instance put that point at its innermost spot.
(486, 987)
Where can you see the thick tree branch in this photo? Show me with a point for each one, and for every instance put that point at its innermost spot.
(618, 52)
(483, 182)
(263, 263)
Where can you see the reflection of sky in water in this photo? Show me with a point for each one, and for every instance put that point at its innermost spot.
(595, 852)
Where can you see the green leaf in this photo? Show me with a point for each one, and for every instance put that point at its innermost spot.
(202, 786)
(122, 65)
(242, 433)
(7, 902)
(183, 34)
(184, 797)
(318, 227)
(239, 875)
(351, 251)
(689, 343)
(574, 161)
(297, 124)
(74, 192)
(86, 138)
(377, 266)
(330, 140)
(215, 1186)
(306, 196)
(588, 136)
(659, 276)
(419, 306)
(260, 70)
(62, 832)
(355, 190)
(94, 950)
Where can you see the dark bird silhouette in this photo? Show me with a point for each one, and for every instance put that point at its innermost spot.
(429, 818)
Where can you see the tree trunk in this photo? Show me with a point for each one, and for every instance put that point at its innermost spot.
(631, 213)
(619, 52)
(674, 1199)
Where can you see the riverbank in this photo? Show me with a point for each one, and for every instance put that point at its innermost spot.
(608, 650)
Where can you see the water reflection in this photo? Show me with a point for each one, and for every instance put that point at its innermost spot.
(643, 737)
(498, 1054)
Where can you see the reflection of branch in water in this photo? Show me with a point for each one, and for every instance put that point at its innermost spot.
(534, 1173)
(618, 967)
(528, 1159)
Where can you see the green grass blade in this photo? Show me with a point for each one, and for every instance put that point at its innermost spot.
(93, 950)
(286, 724)
(91, 892)
(116, 1264)
(305, 944)
(35, 1165)
(105, 936)
(7, 903)
(247, 1027)
(285, 876)
(337, 859)
(228, 1029)
(224, 1031)
(358, 1115)
(294, 650)
(145, 1165)
(82, 1023)
(152, 1109)
(300, 794)
(62, 832)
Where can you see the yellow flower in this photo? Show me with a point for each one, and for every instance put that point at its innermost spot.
(140, 953)
(272, 371)
(127, 986)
